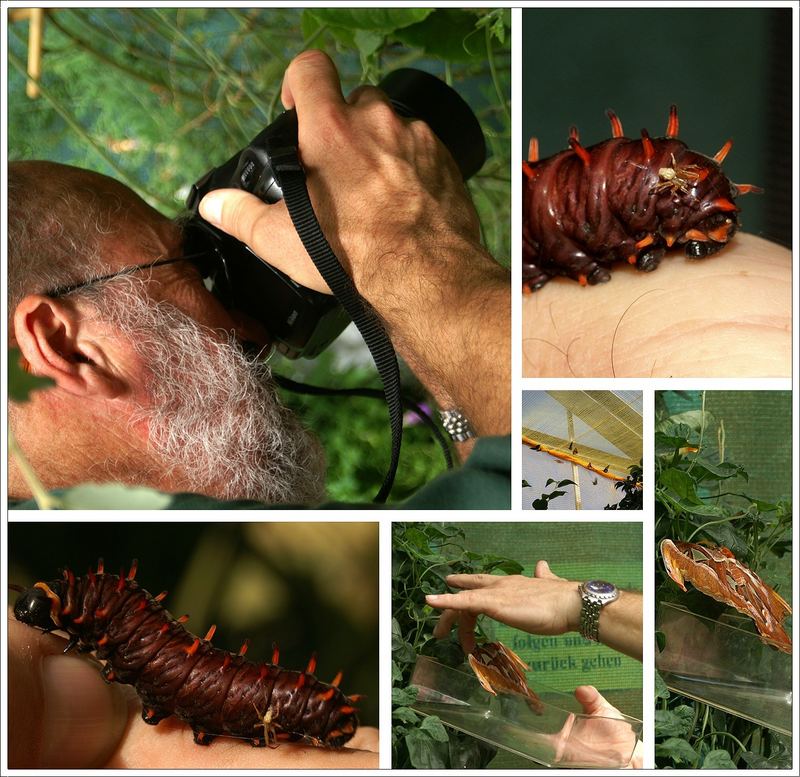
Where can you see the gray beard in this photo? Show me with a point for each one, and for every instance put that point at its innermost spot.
(215, 422)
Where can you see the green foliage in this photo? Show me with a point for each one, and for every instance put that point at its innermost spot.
(423, 555)
(543, 501)
(633, 492)
(700, 497)
(20, 382)
(354, 431)
(155, 97)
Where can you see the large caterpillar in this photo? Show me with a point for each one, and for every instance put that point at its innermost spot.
(622, 199)
(176, 673)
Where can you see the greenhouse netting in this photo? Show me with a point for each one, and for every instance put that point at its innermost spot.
(578, 447)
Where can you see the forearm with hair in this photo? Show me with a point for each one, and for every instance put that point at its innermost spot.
(452, 325)
(620, 625)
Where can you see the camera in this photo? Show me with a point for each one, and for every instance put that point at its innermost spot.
(303, 322)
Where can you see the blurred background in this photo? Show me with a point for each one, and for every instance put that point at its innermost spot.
(156, 97)
(305, 586)
(729, 71)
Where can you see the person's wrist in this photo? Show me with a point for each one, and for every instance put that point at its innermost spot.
(572, 605)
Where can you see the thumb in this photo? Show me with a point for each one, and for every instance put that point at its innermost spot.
(593, 703)
(266, 229)
(61, 713)
(543, 571)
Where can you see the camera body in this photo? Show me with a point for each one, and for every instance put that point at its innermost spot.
(301, 321)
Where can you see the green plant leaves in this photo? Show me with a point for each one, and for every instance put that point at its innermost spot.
(449, 33)
(697, 500)
(677, 750)
(662, 692)
(423, 555)
(114, 496)
(674, 723)
(384, 20)
(432, 726)
(21, 383)
(681, 483)
(426, 752)
(718, 759)
(402, 697)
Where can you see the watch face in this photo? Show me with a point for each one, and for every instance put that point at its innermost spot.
(600, 587)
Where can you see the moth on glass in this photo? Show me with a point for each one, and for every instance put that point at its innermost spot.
(500, 670)
(715, 572)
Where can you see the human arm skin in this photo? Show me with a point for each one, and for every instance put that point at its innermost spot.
(392, 204)
(544, 604)
(62, 715)
(728, 315)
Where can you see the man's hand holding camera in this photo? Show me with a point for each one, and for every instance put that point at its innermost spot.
(395, 210)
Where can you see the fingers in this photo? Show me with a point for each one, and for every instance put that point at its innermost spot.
(444, 624)
(466, 628)
(593, 703)
(543, 571)
(311, 84)
(61, 712)
(463, 601)
(466, 632)
(471, 581)
(266, 229)
(366, 94)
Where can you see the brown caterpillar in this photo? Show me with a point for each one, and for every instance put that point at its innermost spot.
(622, 199)
(176, 673)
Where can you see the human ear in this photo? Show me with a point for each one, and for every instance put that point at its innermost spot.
(56, 342)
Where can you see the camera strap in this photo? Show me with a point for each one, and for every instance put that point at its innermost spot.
(292, 179)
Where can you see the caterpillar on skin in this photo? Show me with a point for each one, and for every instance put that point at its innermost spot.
(622, 199)
(176, 673)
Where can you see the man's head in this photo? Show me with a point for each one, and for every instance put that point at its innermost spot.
(152, 386)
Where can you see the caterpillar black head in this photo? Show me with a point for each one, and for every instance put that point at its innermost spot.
(38, 606)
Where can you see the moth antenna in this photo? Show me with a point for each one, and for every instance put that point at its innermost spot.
(672, 124)
(616, 124)
(719, 157)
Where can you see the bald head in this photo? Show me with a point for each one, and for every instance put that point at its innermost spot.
(66, 225)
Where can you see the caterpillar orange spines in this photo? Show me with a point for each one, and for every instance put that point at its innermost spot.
(588, 207)
(216, 692)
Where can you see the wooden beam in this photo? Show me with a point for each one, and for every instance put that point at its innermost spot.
(36, 17)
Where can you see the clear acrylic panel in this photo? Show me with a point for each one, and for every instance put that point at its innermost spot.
(562, 736)
(724, 664)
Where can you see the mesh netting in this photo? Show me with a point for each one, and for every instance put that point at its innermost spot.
(589, 437)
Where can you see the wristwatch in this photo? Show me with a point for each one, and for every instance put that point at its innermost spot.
(595, 594)
(456, 424)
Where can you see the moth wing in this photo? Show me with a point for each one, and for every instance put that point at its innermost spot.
(482, 675)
